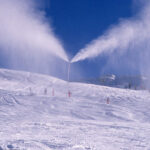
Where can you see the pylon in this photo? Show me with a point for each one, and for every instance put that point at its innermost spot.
(69, 94)
(53, 92)
(108, 101)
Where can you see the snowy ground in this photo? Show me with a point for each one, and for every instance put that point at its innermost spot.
(31, 118)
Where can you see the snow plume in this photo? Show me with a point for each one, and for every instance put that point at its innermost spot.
(128, 34)
(23, 29)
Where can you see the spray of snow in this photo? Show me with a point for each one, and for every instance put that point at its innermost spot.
(24, 28)
(128, 33)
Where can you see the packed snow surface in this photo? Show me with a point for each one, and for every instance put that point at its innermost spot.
(36, 113)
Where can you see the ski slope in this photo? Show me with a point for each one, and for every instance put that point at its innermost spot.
(37, 114)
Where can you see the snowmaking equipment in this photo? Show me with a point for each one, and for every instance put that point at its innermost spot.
(69, 64)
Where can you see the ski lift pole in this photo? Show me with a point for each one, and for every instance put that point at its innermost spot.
(69, 93)
(68, 72)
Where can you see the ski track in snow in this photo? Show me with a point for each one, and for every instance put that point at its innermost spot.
(33, 120)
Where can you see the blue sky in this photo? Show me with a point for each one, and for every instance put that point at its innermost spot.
(78, 22)
(75, 23)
